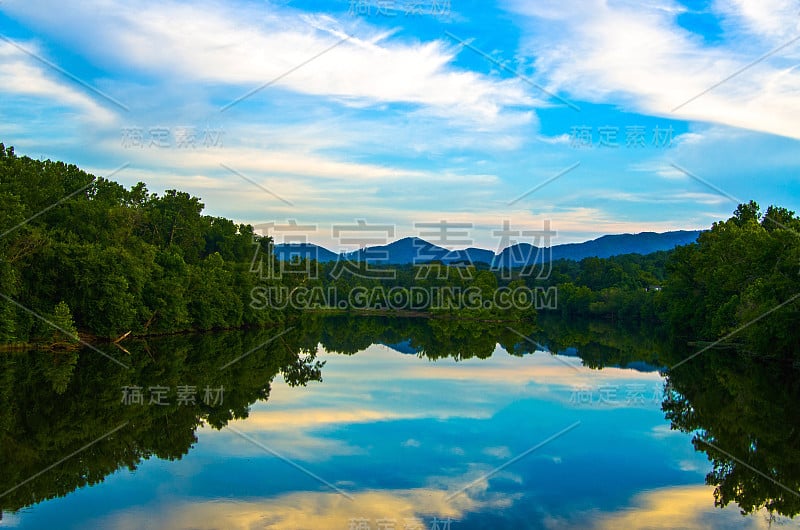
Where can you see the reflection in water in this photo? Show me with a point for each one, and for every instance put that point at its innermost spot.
(741, 410)
(53, 405)
(323, 511)
(677, 507)
(430, 338)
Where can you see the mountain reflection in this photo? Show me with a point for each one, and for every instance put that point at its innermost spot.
(68, 420)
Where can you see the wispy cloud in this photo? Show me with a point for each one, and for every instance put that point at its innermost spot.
(655, 64)
(246, 45)
(21, 76)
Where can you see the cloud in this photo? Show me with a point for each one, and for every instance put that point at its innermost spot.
(663, 198)
(689, 507)
(776, 20)
(730, 166)
(315, 418)
(297, 445)
(245, 46)
(323, 511)
(500, 452)
(21, 75)
(663, 431)
(654, 65)
(396, 126)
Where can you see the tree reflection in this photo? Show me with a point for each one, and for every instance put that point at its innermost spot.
(75, 409)
(67, 409)
(60, 408)
(742, 409)
(432, 338)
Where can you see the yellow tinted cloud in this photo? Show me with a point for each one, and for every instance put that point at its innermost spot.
(686, 507)
(317, 511)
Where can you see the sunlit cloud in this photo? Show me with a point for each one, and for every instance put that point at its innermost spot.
(312, 510)
(689, 507)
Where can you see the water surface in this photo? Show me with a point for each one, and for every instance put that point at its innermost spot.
(376, 423)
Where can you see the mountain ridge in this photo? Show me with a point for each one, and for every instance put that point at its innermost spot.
(413, 250)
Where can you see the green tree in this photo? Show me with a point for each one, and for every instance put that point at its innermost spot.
(65, 331)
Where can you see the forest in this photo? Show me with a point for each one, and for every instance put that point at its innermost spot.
(80, 253)
(84, 257)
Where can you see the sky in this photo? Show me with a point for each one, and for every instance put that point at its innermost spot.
(599, 117)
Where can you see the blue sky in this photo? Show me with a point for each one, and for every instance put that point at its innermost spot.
(401, 112)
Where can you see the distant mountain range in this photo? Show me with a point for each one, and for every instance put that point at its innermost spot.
(413, 250)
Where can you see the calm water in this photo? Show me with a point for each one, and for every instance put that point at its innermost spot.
(381, 424)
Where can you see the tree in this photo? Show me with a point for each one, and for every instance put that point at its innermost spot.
(738, 272)
(746, 213)
(65, 331)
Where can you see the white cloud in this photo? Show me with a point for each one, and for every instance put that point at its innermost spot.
(653, 65)
(22, 75)
(247, 45)
(678, 507)
(387, 127)
(730, 165)
(666, 198)
(663, 430)
(776, 20)
(500, 452)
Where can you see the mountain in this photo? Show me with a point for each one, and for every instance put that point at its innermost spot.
(412, 250)
(403, 347)
(294, 251)
(477, 255)
(642, 243)
(602, 247)
(400, 252)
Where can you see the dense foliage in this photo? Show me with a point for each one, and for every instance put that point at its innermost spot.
(625, 287)
(741, 408)
(85, 251)
(739, 282)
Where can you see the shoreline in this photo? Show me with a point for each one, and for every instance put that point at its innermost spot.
(91, 340)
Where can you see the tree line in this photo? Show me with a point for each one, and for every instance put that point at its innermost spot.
(85, 254)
